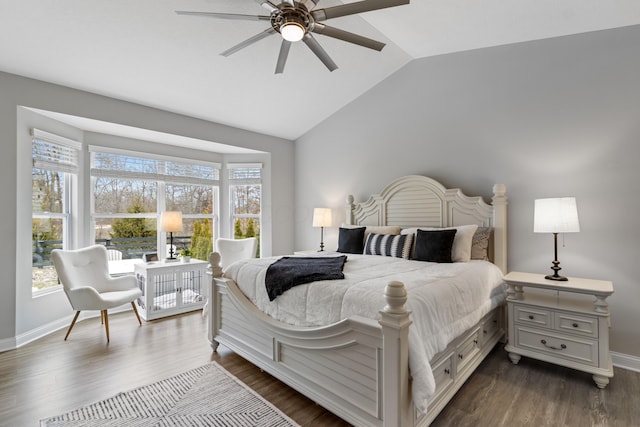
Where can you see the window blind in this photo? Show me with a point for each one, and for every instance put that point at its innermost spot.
(113, 164)
(245, 173)
(54, 152)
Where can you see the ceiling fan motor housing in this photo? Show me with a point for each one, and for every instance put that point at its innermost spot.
(288, 15)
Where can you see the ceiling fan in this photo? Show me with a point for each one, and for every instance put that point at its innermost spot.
(295, 20)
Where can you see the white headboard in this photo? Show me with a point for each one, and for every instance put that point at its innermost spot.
(419, 201)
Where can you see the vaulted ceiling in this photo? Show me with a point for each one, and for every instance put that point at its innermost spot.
(141, 51)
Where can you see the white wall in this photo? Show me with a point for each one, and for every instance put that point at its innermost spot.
(23, 317)
(558, 117)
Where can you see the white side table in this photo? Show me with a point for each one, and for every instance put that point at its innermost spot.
(557, 322)
(170, 288)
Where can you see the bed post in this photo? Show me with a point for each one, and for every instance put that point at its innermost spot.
(350, 206)
(212, 302)
(500, 226)
(395, 323)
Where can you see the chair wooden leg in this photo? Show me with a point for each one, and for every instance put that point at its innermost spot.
(73, 322)
(105, 316)
(135, 310)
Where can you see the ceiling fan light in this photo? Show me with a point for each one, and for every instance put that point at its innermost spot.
(292, 31)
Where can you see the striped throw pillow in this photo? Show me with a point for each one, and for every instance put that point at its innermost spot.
(396, 245)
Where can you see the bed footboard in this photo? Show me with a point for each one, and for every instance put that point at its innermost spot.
(357, 368)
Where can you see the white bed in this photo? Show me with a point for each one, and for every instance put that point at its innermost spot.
(358, 367)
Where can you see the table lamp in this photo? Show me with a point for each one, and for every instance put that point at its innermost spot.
(558, 215)
(322, 218)
(170, 222)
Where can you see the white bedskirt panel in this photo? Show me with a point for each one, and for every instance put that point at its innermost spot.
(444, 299)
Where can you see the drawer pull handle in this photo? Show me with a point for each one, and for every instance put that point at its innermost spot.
(562, 346)
(446, 371)
(460, 356)
(484, 331)
(475, 342)
(575, 325)
(530, 317)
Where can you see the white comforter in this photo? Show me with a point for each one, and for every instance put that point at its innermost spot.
(444, 299)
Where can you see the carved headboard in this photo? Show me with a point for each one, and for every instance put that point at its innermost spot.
(419, 201)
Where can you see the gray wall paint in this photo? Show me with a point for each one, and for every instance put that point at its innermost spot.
(19, 91)
(557, 117)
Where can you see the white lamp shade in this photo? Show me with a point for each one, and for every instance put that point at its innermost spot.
(322, 217)
(171, 221)
(558, 215)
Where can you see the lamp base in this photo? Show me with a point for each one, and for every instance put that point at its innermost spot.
(555, 276)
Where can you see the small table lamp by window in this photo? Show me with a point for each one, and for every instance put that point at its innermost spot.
(556, 216)
(322, 218)
(171, 221)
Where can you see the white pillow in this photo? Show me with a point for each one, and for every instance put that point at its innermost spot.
(376, 229)
(461, 250)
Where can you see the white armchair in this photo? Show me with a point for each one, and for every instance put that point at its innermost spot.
(232, 250)
(227, 252)
(84, 274)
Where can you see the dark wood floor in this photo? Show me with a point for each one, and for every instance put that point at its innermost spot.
(51, 376)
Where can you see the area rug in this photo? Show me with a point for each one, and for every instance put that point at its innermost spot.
(206, 396)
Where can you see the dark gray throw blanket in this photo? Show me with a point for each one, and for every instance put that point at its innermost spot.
(288, 272)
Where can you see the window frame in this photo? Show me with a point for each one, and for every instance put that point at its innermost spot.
(54, 153)
(161, 177)
(236, 182)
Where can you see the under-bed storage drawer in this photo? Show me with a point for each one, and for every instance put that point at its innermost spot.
(443, 373)
(490, 327)
(467, 350)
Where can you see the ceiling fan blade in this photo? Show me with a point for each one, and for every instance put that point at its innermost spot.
(309, 4)
(282, 57)
(248, 42)
(268, 5)
(346, 36)
(226, 15)
(353, 8)
(319, 51)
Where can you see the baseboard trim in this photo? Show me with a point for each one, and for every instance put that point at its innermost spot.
(7, 344)
(44, 330)
(626, 361)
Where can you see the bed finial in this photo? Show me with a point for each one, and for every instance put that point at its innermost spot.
(214, 261)
(395, 295)
(350, 207)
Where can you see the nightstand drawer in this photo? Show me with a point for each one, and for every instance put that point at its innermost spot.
(583, 351)
(576, 324)
(533, 316)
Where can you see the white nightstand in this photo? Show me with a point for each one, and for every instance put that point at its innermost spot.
(557, 322)
(307, 252)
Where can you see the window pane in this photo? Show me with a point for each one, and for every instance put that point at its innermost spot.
(47, 191)
(198, 235)
(131, 236)
(189, 199)
(46, 236)
(246, 227)
(245, 199)
(113, 195)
